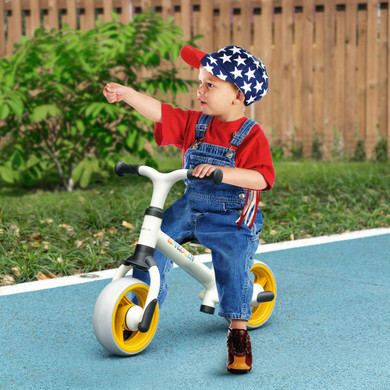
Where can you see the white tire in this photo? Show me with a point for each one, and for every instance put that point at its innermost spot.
(109, 317)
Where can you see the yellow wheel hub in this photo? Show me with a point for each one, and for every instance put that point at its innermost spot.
(135, 341)
(265, 278)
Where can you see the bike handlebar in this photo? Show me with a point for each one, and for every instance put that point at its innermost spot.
(215, 176)
(121, 169)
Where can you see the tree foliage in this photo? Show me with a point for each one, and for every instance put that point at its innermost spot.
(52, 111)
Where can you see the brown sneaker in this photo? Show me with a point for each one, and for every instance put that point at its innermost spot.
(239, 359)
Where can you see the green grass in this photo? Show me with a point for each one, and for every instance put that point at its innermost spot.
(315, 199)
(43, 233)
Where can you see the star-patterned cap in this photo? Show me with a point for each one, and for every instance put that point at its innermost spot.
(234, 64)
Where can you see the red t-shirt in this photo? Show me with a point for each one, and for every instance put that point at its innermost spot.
(178, 129)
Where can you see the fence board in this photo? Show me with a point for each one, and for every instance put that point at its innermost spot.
(361, 76)
(125, 15)
(237, 37)
(182, 15)
(371, 80)
(53, 14)
(350, 124)
(185, 12)
(164, 8)
(45, 17)
(307, 77)
(339, 86)
(223, 22)
(246, 24)
(329, 37)
(194, 74)
(2, 28)
(278, 108)
(319, 75)
(287, 79)
(382, 70)
(328, 61)
(388, 80)
(298, 48)
(108, 6)
(145, 5)
(262, 20)
(35, 18)
(206, 26)
(15, 20)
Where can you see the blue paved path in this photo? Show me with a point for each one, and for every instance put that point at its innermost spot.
(330, 330)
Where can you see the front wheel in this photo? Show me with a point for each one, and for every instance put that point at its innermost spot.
(109, 317)
(263, 276)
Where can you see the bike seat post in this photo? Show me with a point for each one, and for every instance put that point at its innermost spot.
(154, 213)
(142, 257)
(151, 225)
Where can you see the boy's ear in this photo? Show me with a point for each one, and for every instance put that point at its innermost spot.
(240, 98)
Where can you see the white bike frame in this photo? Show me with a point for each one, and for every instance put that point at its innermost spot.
(152, 236)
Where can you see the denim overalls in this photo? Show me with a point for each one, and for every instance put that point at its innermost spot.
(209, 213)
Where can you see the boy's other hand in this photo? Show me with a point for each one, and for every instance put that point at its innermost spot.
(114, 92)
(203, 170)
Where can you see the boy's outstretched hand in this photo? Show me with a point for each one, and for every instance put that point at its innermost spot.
(114, 92)
(145, 105)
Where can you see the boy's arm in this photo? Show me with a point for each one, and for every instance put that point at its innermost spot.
(145, 105)
(240, 177)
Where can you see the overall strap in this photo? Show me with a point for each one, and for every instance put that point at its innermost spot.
(239, 136)
(248, 213)
(202, 125)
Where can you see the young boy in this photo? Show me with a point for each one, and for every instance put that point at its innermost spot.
(223, 218)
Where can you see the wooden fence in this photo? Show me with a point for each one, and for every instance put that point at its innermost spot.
(328, 61)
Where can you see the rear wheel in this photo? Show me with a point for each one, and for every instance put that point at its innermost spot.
(262, 275)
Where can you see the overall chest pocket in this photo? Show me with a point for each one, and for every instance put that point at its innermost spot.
(195, 159)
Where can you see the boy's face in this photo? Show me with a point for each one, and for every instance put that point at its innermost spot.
(219, 98)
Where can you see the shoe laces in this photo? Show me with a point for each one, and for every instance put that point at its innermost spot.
(239, 342)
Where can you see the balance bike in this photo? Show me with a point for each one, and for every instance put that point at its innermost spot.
(126, 312)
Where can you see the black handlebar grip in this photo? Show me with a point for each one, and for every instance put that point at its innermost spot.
(121, 169)
(215, 176)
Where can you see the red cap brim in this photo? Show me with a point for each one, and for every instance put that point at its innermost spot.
(192, 56)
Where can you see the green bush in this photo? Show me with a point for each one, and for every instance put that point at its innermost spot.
(381, 150)
(360, 151)
(54, 114)
(316, 148)
(277, 153)
(297, 150)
